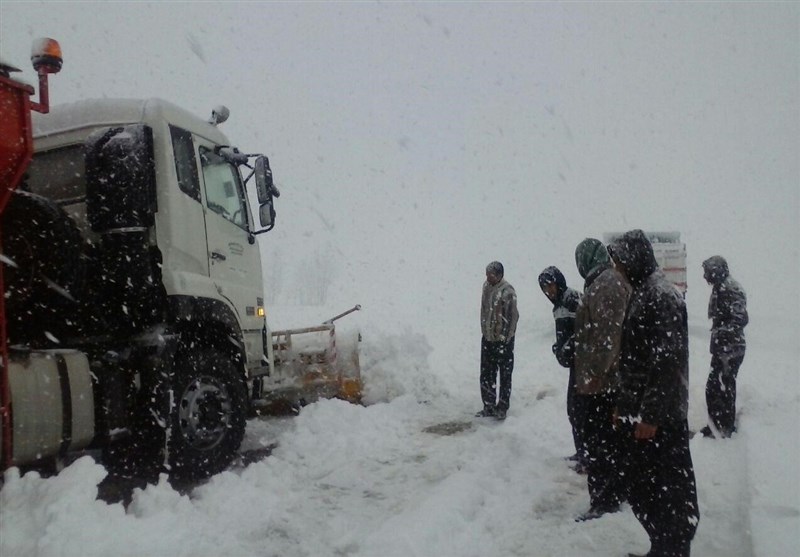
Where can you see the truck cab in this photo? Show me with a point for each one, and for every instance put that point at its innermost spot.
(181, 192)
(132, 243)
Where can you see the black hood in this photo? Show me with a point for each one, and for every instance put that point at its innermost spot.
(715, 269)
(635, 252)
(553, 275)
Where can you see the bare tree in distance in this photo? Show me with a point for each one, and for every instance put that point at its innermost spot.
(313, 278)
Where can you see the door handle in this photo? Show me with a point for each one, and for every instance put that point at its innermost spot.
(218, 256)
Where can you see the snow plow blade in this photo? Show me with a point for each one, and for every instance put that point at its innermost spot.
(313, 363)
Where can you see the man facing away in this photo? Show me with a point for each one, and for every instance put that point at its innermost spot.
(565, 301)
(652, 402)
(727, 309)
(499, 318)
(598, 334)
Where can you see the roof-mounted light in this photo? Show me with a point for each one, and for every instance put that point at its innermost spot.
(219, 115)
(46, 56)
(46, 59)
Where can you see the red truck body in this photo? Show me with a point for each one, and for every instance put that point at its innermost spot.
(16, 151)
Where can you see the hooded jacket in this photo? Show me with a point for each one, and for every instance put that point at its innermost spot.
(591, 258)
(654, 355)
(727, 306)
(564, 307)
(499, 314)
(598, 319)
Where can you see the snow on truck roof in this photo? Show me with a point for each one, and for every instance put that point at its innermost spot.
(94, 113)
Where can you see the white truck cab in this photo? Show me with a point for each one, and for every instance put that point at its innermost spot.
(202, 225)
(136, 280)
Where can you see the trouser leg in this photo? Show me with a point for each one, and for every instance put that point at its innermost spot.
(488, 379)
(505, 363)
(728, 417)
(721, 389)
(682, 549)
(662, 490)
(604, 474)
(574, 414)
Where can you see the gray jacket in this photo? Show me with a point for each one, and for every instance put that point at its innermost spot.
(598, 331)
(499, 314)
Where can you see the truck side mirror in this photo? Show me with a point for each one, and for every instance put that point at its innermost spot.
(266, 214)
(264, 185)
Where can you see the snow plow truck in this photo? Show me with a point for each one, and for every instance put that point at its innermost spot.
(133, 320)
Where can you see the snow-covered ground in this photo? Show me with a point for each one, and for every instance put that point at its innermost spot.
(413, 473)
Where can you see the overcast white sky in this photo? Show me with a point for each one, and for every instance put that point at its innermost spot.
(418, 141)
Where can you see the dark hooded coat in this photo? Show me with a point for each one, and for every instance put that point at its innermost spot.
(654, 354)
(727, 307)
(654, 375)
(564, 307)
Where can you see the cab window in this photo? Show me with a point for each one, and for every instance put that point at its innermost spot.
(223, 187)
(185, 162)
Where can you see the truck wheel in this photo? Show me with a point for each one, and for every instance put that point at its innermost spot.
(207, 420)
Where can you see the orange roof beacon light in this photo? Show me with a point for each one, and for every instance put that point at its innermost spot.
(46, 55)
(46, 59)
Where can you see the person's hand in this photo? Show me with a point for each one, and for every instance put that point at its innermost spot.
(592, 385)
(644, 431)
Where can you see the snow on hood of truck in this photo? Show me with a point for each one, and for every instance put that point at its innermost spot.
(91, 114)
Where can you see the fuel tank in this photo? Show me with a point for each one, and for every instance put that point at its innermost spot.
(52, 404)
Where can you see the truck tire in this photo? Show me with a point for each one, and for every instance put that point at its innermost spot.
(207, 418)
(47, 277)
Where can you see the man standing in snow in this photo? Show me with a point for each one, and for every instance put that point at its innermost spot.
(565, 302)
(498, 325)
(652, 401)
(727, 309)
(598, 333)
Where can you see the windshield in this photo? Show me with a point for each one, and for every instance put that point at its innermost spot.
(223, 187)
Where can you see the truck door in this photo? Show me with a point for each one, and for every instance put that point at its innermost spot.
(234, 262)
